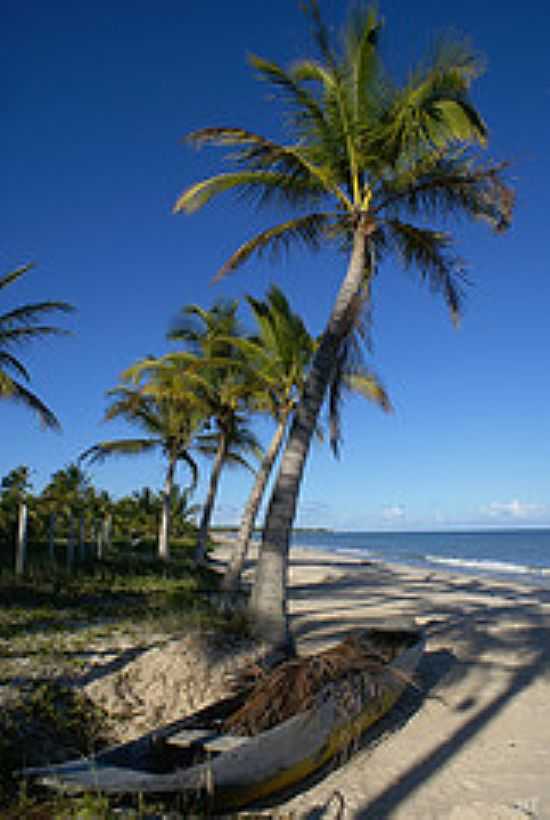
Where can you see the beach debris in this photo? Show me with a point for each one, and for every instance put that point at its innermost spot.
(276, 695)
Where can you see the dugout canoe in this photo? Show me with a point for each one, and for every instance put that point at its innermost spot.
(193, 756)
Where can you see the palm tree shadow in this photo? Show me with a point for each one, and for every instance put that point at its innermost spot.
(434, 760)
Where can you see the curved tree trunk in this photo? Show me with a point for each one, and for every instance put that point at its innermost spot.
(233, 574)
(268, 603)
(164, 527)
(200, 549)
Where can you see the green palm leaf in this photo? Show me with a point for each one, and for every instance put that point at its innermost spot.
(18, 327)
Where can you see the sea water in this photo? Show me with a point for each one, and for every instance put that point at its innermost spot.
(521, 553)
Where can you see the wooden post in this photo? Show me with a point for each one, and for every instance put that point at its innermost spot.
(82, 538)
(99, 540)
(21, 547)
(71, 540)
(51, 537)
(107, 533)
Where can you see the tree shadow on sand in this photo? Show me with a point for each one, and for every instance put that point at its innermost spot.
(476, 630)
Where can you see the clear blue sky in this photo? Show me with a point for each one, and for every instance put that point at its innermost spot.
(96, 98)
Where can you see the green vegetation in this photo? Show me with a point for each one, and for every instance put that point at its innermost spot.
(50, 623)
(168, 420)
(71, 513)
(215, 371)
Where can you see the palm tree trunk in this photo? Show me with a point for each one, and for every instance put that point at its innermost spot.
(268, 603)
(164, 528)
(200, 549)
(240, 549)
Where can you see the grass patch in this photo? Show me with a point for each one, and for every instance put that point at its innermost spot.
(50, 621)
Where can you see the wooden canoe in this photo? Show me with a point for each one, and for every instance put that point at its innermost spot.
(234, 771)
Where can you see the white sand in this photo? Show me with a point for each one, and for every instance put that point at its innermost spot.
(475, 743)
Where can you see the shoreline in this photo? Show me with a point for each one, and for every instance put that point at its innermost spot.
(502, 566)
(473, 742)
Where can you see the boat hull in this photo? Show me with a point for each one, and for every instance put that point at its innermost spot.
(263, 765)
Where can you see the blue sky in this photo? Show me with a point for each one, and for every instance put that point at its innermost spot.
(96, 101)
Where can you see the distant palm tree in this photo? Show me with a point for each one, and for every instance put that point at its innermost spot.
(368, 166)
(226, 387)
(18, 327)
(169, 415)
(280, 354)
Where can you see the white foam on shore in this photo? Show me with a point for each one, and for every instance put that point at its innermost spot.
(488, 566)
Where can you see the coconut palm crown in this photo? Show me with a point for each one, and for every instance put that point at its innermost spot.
(369, 164)
(167, 412)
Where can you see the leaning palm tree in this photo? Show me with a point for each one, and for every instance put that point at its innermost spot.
(280, 354)
(169, 415)
(18, 327)
(370, 163)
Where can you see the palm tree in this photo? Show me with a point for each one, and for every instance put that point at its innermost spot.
(18, 327)
(281, 353)
(228, 444)
(369, 163)
(226, 386)
(169, 414)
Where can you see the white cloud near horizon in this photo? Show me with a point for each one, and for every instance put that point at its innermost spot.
(393, 512)
(513, 509)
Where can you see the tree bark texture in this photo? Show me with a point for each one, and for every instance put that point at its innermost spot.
(202, 537)
(268, 602)
(233, 574)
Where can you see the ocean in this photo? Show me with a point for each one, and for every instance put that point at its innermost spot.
(522, 554)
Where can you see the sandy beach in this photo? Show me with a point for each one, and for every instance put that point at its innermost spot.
(474, 740)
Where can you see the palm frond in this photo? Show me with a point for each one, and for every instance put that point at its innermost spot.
(309, 112)
(303, 179)
(18, 336)
(260, 187)
(369, 386)
(307, 230)
(237, 460)
(453, 186)
(27, 314)
(433, 110)
(361, 41)
(16, 391)
(13, 275)
(430, 252)
(9, 362)
(351, 374)
(120, 447)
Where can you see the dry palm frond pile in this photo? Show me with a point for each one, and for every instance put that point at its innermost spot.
(292, 687)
